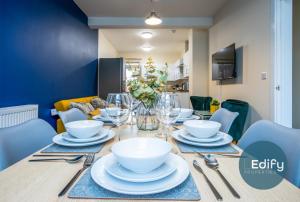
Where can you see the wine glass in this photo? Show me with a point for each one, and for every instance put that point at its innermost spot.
(133, 105)
(167, 110)
(117, 109)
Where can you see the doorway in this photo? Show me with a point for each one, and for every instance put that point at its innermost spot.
(282, 62)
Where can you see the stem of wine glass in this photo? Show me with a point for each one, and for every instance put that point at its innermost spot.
(118, 131)
(131, 117)
(166, 131)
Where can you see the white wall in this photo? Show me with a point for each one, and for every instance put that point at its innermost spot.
(105, 48)
(296, 65)
(198, 70)
(248, 25)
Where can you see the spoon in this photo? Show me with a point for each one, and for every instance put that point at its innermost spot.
(73, 160)
(212, 163)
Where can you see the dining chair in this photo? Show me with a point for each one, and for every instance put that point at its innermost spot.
(201, 103)
(238, 125)
(288, 139)
(225, 118)
(73, 114)
(19, 141)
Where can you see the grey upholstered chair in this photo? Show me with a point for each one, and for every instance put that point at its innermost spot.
(19, 141)
(224, 117)
(70, 115)
(288, 139)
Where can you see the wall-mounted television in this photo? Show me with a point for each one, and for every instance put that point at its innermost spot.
(223, 63)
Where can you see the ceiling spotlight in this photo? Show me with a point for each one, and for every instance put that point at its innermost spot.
(147, 35)
(153, 18)
(146, 48)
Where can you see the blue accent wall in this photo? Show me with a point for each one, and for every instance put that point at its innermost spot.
(47, 53)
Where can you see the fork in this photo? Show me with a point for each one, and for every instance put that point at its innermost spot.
(68, 160)
(87, 163)
(211, 186)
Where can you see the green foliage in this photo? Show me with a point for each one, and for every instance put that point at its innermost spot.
(146, 88)
(215, 102)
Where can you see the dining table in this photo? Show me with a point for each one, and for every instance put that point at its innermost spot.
(42, 181)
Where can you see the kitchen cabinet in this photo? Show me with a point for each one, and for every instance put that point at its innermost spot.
(177, 73)
(186, 64)
(180, 69)
(174, 71)
(171, 72)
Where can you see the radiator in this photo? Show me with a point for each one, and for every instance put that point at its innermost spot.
(11, 116)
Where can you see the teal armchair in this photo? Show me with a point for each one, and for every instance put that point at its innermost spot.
(201, 103)
(238, 124)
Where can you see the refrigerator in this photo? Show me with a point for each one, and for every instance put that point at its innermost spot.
(111, 76)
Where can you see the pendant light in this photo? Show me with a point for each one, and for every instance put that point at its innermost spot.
(153, 18)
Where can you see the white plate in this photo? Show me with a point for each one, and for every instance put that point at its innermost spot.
(103, 133)
(101, 118)
(105, 180)
(193, 117)
(115, 169)
(58, 139)
(227, 139)
(183, 133)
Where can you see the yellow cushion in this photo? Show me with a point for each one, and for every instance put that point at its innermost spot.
(95, 112)
(64, 105)
(60, 126)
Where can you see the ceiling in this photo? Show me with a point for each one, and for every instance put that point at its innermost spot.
(163, 40)
(140, 8)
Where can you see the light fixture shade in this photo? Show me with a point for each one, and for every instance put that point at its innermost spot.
(153, 19)
(147, 35)
(146, 48)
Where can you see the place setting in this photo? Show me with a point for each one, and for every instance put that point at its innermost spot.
(103, 116)
(185, 115)
(202, 136)
(85, 136)
(135, 170)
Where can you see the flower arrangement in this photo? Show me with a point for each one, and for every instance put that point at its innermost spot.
(146, 89)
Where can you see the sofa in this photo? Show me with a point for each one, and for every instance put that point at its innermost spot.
(64, 105)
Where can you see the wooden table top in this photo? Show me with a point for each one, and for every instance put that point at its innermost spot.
(42, 181)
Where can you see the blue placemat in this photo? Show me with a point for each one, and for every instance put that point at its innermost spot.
(185, 148)
(86, 188)
(54, 148)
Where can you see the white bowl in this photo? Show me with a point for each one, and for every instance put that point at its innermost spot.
(84, 129)
(185, 113)
(141, 155)
(202, 128)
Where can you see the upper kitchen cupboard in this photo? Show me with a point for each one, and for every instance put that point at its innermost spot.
(110, 76)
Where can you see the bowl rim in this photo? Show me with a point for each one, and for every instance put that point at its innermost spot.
(184, 109)
(96, 124)
(213, 124)
(168, 150)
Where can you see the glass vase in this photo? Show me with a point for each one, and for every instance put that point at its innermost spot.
(146, 118)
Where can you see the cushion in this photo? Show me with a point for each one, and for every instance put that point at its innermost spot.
(84, 107)
(95, 112)
(98, 103)
(64, 105)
